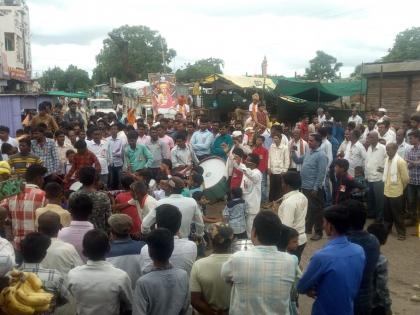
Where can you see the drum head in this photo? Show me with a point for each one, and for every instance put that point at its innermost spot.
(214, 170)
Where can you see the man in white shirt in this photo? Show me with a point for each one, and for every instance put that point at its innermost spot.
(62, 148)
(301, 148)
(189, 208)
(61, 256)
(5, 138)
(262, 276)
(385, 132)
(355, 117)
(143, 137)
(141, 199)
(100, 148)
(182, 155)
(374, 167)
(343, 146)
(321, 115)
(251, 186)
(116, 153)
(278, 163)
(326, 147)
(253, 107)
(98, 287)
(293, 208)
(7, 256)
(403, 146)
(185, 251)
(382, 114)
(355, 152)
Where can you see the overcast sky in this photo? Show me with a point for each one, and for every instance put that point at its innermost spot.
(240, 32)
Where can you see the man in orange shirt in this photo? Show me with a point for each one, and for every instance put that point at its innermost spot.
(44, 118)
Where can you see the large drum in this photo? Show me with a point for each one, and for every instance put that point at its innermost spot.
(214, 175)
(241, 245)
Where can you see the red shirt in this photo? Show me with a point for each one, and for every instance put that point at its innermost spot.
(236, 178)
(263, 154)
(81, 160)
(131, 211)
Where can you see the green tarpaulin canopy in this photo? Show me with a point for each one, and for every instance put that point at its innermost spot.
(66, 94)
(318, 91)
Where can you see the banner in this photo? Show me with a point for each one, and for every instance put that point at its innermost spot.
(163, 93)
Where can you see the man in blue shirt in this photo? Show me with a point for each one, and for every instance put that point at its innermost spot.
(313, 172)
(370, 245)
(222, 140)
(335, 272)
(202, 140)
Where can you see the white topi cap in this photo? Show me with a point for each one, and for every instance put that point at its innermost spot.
(383, 110)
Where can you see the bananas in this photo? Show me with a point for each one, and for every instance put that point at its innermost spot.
(24, 295)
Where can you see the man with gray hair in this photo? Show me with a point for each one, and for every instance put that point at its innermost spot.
(374, 167)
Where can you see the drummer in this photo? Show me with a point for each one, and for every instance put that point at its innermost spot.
(183, 156)
(251, 186)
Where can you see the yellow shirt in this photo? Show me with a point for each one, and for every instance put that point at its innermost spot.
(65, 217)
(393, 190)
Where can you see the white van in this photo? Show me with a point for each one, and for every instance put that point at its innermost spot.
(103, 105)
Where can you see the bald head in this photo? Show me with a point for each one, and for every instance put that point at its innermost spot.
(391, 149)
(296, 134)
(373, 138)
(49, 224)
(400, 135)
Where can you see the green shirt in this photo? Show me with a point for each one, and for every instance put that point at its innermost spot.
(138, 158)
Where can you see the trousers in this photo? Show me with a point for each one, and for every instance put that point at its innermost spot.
(394, 214)
(314, 214)
(376, 200)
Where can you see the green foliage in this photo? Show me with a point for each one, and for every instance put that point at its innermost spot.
(357, 72)
(199, 69)
(323, 67)
(406, 46)
(130, 53)
(71, 80)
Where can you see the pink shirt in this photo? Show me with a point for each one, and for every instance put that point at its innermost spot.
(168, 140)
(143, 140)
(74, 234)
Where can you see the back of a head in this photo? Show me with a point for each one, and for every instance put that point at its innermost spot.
(126, 181)
(380, 231)
(236, 192)
(34, 171)
(34, 247)
(287, 233)
(221, 237)
(80, 206)
(49, 223)
(87, 175)
(342, 163)
(80, 144)
(338, 217)
(254, 158)
(197, 195)
(198, 179)
(267, 226)
(140, 187)
(161, 244)
(292, 179)
(168, 217)
(95, 245)
(53, 190)
(357, 214)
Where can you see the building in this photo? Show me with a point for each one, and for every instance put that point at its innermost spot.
(15, 47)
(394, 86)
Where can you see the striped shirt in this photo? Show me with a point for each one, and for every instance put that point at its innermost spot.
(20, 163)
(22, 208)
(48, 153)
(262, 279)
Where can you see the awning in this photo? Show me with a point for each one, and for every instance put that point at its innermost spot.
(243, 82)
(318, 91)
(66, 94)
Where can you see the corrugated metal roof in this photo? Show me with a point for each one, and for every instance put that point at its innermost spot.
(391, 67)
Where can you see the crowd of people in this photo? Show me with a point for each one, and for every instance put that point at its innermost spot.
(114, 217)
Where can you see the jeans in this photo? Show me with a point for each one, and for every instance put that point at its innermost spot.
(314, 215)
(264, 189)
(394, 214)
(413, 196)
(114, 178)
(376, 200)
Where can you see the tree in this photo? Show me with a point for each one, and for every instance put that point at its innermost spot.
(357, 72)
(71, 80)
(52, 79)
(199, 69)
(323, 67)
(130, 53)
(406, 46)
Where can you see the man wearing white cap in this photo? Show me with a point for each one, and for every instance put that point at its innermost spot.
(382, 114)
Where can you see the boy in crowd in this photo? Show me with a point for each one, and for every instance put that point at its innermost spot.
(20, 161)
(235, 213)
(165, 289)
(136, 156)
